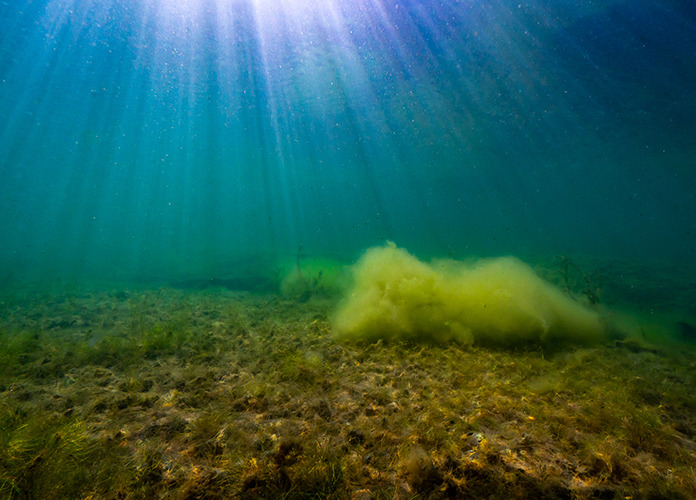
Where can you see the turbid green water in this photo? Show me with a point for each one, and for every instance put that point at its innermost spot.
(167, 139)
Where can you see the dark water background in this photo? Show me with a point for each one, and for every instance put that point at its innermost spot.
(164, 138)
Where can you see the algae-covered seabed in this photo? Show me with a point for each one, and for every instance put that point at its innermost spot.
(217, 393)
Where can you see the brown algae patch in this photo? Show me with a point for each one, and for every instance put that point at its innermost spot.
(218, 394)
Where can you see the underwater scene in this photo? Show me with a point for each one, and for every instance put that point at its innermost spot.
(347, 249)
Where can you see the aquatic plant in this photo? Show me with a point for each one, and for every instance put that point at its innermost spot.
(313, 277)
(573, 279)
(45, 456)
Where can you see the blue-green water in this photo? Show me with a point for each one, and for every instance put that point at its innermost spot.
(164, 138)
